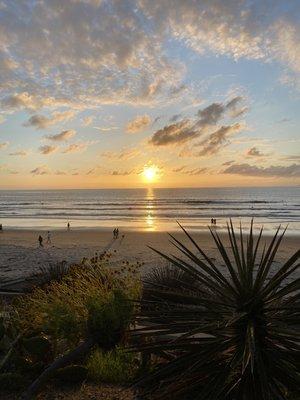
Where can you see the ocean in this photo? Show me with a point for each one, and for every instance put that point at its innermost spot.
(150, 209)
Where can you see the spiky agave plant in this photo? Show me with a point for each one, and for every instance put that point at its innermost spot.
(231, 333)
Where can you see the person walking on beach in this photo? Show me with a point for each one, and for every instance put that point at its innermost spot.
(68, 226)
(117, 233)
(41, 241)
(114, 233)
(1, 228)
(48, 237)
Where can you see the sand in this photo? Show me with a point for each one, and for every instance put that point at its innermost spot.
(20, 254)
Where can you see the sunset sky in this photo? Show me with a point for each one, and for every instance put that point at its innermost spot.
(203, 92)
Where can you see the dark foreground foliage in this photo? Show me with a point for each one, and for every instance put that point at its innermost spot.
(223, 333)
(72, 329)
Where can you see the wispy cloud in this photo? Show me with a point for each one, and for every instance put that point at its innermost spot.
(272, 171)
(41, 122)
(47, 149)
(106, 128)
(124, 154)
(75, 148)
(3, 145)
(138, 124)
(291, 158)
(218, 139)
(121, 173)
(63, 136)
(21, 153)
(191, 171)
(41, 170)
(87, 121)
(254, 152)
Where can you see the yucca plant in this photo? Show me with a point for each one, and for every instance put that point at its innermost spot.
(226, 331)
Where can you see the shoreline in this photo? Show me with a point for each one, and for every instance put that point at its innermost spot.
(174, 229)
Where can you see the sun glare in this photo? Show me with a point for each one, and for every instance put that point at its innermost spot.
(150, 174)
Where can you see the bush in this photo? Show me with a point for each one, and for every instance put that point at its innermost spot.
(233, 332)
(109, 319)
(115, 367)
(61, 309)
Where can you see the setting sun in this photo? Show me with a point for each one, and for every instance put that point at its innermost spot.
(150, 173)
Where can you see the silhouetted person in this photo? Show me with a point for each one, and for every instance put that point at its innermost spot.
(117, 233)
(48, 237)
(68, 226)
(212, 221)
(1, 228)
(41, 241)
(114, 233)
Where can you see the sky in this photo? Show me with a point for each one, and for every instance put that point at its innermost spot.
(197, 93)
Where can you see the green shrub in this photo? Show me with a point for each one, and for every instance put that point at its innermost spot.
(115, 367)
(62, 308)
(109, 318)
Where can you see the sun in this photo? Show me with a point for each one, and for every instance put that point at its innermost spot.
(150, 173)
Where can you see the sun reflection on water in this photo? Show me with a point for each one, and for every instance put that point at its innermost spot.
(150, 220)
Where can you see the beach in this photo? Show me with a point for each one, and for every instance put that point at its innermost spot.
(21, 255)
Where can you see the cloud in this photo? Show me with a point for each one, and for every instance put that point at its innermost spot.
(259, 171)
(42, 122)
(226, 163)
(123, 155)
(87, 53)
(175, 117)
(47, 149)
(63, 136)
(91, 171)
(121, 173)
(212, 114)
(106, 128)
(139, 123)
(218, 139)
(75, 148)
(156, 119)
(87, 121)
(21, 153)
(179, 169)
(41, 170)
(291, 158)
(3, 145)
(30, 102)
(192, 171)
(83, 53)
(196, 171)
(189, 129)
(238, 29)
(254, 152)
(177, 133)
(5, 169)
